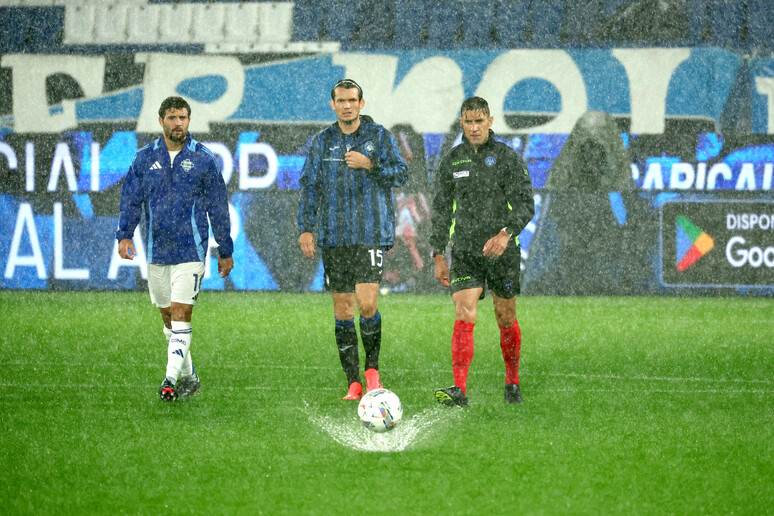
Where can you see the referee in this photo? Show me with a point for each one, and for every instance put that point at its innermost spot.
(483, 201)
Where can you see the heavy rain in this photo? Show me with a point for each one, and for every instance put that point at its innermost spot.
(545, 226)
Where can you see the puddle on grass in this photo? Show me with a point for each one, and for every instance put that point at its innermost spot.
(412, 431)
(409, 432)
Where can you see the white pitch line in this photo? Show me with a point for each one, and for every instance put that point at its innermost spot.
(285, 388)
(524, 374)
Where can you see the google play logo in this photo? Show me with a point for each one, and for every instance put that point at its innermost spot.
(692, 243)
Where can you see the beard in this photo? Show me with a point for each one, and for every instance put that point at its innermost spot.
(176, 138)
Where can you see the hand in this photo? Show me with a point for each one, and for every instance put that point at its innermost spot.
(441, 270)
(496, 245)
(356, 160)
(225, 265)
(306, 243)
(126, 249)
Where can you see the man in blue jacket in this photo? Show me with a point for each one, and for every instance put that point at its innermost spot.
(176, 183)
(346, 192)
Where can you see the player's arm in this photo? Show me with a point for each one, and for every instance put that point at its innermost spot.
(441, 212)
(519, 194)
(130, 208)
(216, 205)
(387, 165)
(309, 189)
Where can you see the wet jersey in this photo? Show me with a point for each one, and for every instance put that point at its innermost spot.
(179, 200)
(351, 206)
(478, 193)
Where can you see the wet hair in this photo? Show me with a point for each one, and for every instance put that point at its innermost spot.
(174, 103)
(475, 104)
(347, 84)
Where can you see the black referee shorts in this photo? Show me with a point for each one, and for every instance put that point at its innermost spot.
(500, 275)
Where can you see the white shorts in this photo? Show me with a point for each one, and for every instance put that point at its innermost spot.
(175, 283)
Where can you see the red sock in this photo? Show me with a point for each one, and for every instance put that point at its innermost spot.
(462, 352)
(510, 343)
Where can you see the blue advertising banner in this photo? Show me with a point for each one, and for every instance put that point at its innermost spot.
(529, 91)
(619, 131)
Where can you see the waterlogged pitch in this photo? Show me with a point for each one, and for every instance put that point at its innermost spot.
(631, 406)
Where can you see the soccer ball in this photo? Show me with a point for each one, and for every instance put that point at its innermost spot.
(380, 410)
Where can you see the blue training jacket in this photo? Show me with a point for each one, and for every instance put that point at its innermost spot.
(176, 199)
(351, 206)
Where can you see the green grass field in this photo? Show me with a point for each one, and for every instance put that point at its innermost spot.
(632, 406)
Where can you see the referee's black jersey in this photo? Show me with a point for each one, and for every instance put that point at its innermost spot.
(478, 193)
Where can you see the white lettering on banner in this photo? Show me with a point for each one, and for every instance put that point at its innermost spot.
(654, 178)
(682, 176)
(719, 169)
(438, 78)
(246, 181)
(701, 176)
(165, 72)
(94, 177)
(755, 256)
(59, 271)
(29, 165)
(31, 113)
(62, 159)
(140, 260)
(749, 221)
(765, 87)
(25, 219)
(7, 151)
(554, 66)
(649, 72)
(746, 179)
(222, 151)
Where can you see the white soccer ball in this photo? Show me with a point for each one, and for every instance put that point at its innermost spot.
(380, 410)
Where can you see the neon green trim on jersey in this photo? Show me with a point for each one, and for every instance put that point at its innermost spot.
(454, 221)
(510, 208)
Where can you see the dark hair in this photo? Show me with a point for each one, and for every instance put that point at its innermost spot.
(347, 84)
(475, 104)
(173, 103)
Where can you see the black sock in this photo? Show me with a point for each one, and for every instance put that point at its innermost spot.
(346, 341)
(371, 333)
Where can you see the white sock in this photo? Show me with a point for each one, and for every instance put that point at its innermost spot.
(188, 368)
(167, 333)
(178, 347)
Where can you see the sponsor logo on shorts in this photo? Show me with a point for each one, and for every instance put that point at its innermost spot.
(457, 280)
(508, 285)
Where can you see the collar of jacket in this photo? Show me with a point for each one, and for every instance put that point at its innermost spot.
(189, 143)
(364, 121)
